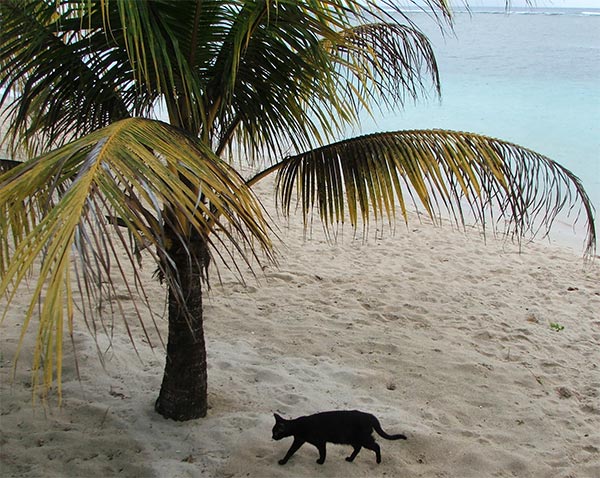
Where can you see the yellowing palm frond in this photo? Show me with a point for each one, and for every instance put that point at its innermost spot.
(438, 170)
(57, 217)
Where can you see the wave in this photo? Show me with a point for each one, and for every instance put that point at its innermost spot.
(520, 11)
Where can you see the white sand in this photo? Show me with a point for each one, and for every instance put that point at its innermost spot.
(443, 337)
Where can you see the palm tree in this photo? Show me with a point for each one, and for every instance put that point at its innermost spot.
(106, 182)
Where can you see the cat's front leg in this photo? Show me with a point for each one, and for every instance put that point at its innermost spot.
(297, 443)
(322, 452)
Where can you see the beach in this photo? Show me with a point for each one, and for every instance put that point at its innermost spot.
(483, 352)
(486, 355)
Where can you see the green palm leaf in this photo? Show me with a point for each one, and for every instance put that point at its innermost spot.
(58, 211)
(383, 63)
(64, 79)
(439, 170)
(269, 73)
(302, 74)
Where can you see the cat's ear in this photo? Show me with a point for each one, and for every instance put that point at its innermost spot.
(277, 418)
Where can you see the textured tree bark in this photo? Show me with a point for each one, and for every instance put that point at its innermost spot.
(183, 393)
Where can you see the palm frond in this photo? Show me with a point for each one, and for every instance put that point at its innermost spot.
(273, 74)
(304, 71)
(384, 63)
(377, 175)
(61, 76)
(57, 219)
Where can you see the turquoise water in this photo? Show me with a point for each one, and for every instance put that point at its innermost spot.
(532, 79)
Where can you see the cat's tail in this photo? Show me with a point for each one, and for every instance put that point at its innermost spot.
(379, 430)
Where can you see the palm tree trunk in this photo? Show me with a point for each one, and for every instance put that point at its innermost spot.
(183, 393)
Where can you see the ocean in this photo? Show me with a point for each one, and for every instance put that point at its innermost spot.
(531, 77)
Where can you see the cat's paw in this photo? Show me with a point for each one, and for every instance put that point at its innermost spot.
(282, 462)
(349, 459)
(320, 461)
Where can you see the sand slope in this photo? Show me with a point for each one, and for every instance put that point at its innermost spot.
(443, 337)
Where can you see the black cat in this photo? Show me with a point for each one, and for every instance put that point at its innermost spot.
(342, 427)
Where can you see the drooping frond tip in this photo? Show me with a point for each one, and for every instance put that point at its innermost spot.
(472, 177)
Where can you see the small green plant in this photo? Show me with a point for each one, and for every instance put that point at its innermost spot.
(556, 326)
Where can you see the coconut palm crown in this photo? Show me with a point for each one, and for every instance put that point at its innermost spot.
(83, 83)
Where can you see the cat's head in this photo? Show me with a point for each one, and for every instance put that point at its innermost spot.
(281, 428)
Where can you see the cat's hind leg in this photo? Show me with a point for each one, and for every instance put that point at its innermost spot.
(357, 448)
(371, 444)
(293, 449)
